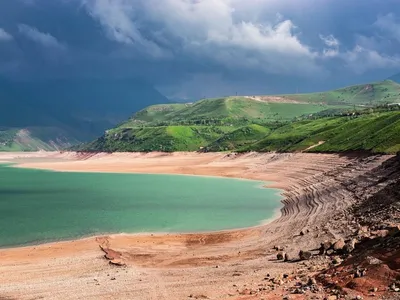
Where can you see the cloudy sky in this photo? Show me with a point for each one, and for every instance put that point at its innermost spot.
(195, 48)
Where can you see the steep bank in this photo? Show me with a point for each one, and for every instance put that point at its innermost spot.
(176, 266)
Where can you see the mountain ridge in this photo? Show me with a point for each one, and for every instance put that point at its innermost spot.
(241, 123)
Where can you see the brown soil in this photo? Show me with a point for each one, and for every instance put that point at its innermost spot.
(220, 265)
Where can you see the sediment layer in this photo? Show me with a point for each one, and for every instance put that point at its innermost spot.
(173, 266)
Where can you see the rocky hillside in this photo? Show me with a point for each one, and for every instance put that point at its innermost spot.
(35, 139)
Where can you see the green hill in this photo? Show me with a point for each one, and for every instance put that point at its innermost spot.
(374, 132)
(160, 138)
(341, 120)
(223, 111)
(375, 93)
(239, 138)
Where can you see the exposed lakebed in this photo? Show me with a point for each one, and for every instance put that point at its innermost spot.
(38, 206)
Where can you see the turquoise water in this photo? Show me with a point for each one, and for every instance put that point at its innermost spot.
(38, 206)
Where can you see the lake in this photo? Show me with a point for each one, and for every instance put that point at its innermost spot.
(39, 206)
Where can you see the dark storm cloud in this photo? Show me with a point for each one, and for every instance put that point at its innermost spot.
(203, 47)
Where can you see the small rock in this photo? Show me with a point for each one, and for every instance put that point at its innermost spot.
(373, 261)
(332, 297)
(280, 255)
(337, 260)
(350, 246)
(287, 257)
(305, 255)
(112, 278)
(338, 245)
(330, 252)
(311, 281)
(324, 247)
(360, 273)
(302, 233)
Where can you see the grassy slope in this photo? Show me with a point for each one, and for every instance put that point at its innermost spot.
(161, 138)
(239, 138)
(382, 92)
(223, 110)
(378, 133)
(237, 123)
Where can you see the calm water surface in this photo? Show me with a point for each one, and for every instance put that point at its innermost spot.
(38, 206)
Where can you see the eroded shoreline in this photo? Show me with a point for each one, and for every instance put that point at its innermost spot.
(175, 263)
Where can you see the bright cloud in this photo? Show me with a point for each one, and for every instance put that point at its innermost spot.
(332, 44)
(231, 34)
(360, 60)
(206, 29)
(45, 39)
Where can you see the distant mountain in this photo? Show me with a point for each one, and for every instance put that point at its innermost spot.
(395, 78)
(80, 109)
(381, 92)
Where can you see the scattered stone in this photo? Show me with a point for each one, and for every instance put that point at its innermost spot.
(280, 255)
(325, 246)
(287, 257)
(373, 261)
(330, 252)
(360, 273)
(311, 281)
(338, 245)
(394, 288)
(117, 263)
(336, 260)
(350, 246)
(305, 255)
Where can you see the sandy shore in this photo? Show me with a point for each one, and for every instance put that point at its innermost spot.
(172, 266)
